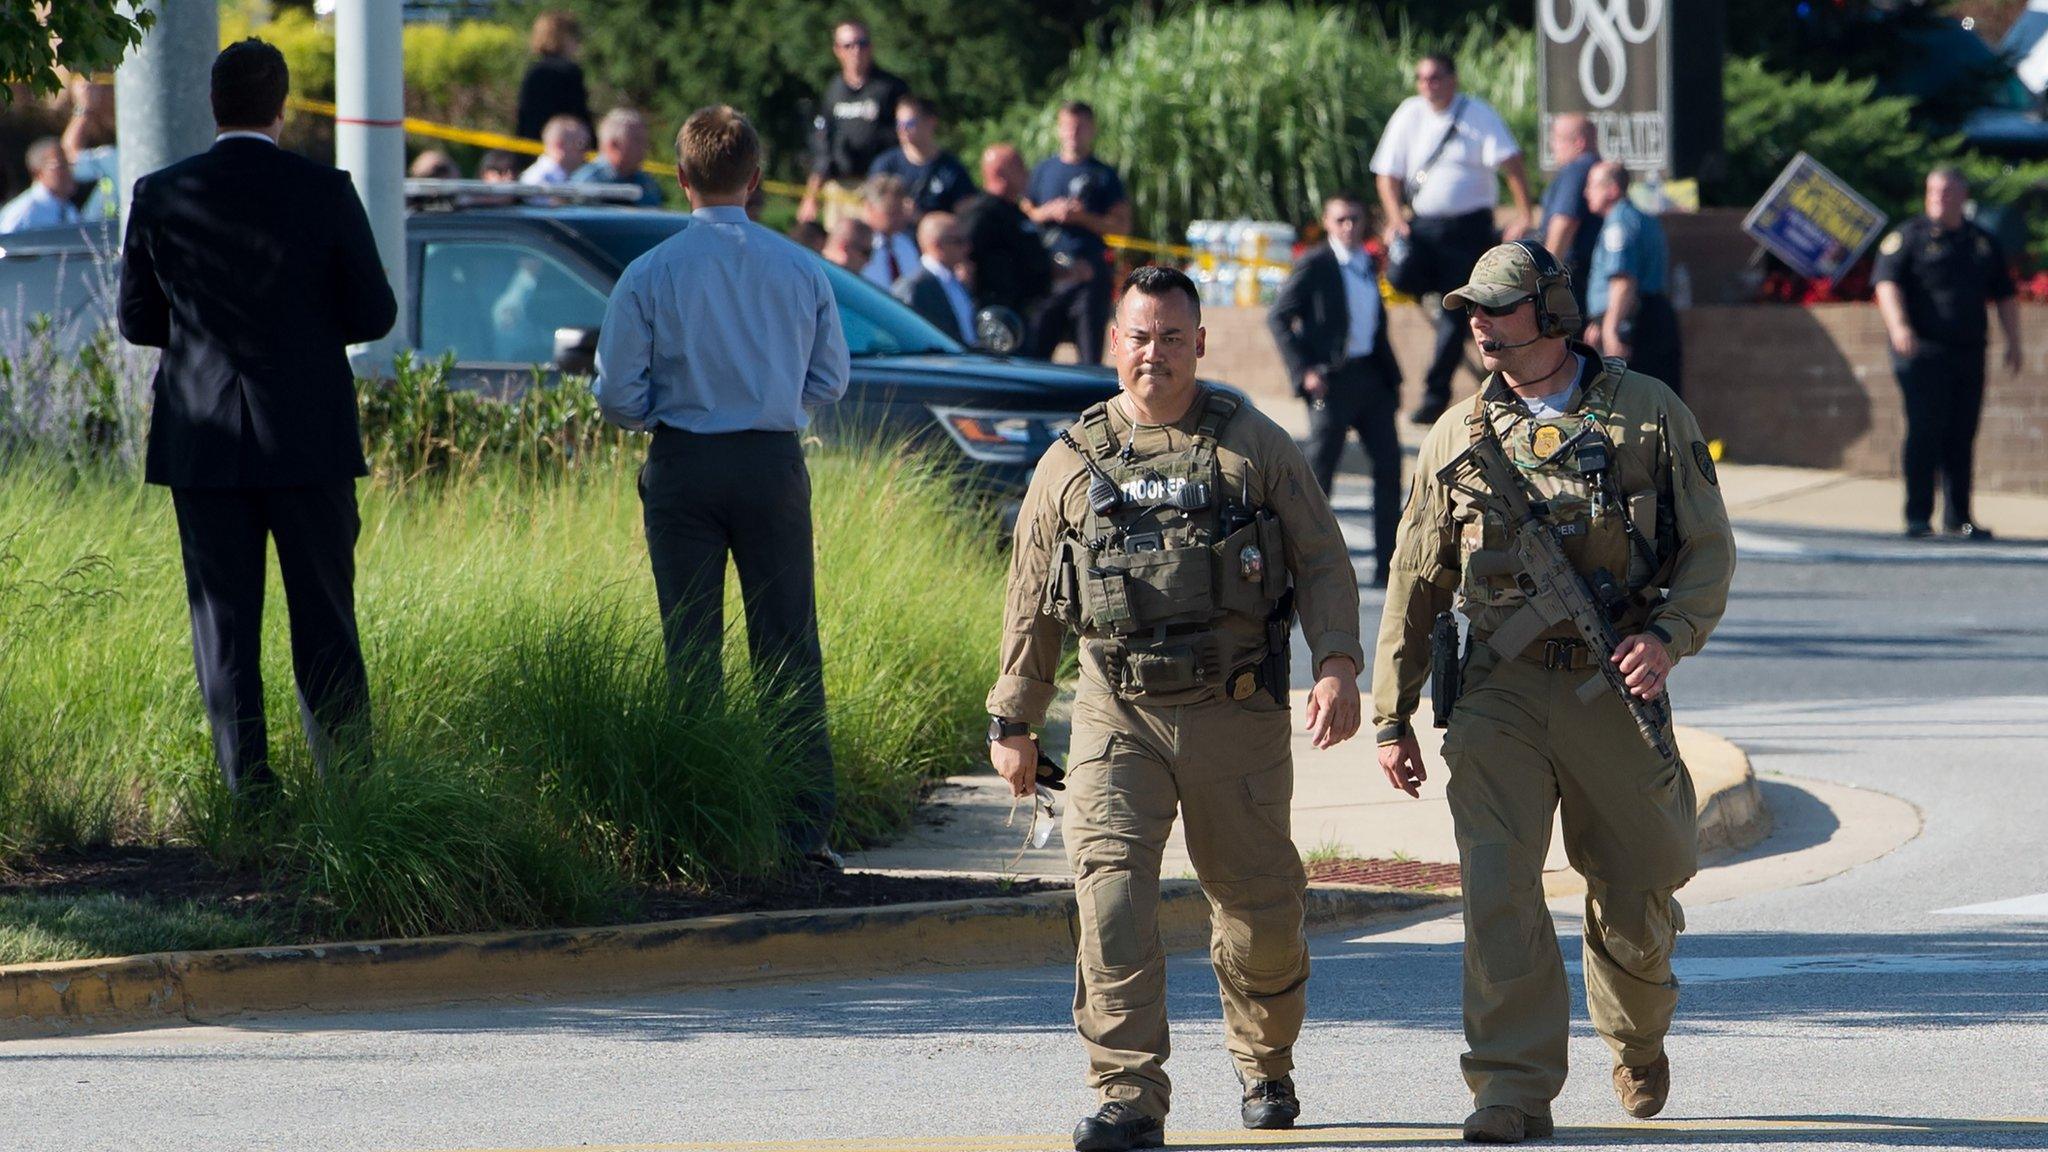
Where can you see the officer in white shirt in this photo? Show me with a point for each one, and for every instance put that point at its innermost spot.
(1436, 166)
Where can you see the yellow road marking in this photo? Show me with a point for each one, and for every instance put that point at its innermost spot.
(1347, 1134)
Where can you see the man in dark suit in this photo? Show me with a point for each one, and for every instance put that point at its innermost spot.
(1332, 331)
(254, 269)
(933, 289)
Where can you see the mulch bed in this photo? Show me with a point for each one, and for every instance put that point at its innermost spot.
(1387, 873)
(173, 874)
(832, 890)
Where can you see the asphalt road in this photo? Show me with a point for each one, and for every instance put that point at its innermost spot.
(1900, 1004)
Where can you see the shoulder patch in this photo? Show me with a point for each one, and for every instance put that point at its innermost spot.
(1891, 243)
(1705, 460)
(1614, 237)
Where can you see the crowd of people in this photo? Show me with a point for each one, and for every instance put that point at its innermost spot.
(1032, 241)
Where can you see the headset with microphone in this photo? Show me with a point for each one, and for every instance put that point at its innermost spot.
(1552, 321)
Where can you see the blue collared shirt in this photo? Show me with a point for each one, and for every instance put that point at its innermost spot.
(723, 327)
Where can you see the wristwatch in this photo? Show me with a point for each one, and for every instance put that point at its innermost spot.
(1000, 728)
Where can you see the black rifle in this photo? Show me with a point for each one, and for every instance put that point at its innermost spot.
(1552, 588)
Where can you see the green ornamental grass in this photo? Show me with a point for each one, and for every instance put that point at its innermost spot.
(532, 762)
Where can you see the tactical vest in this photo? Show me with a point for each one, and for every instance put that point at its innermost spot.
(1619, 523)
(1150, 576)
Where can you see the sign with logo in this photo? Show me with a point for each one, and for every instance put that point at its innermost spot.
(1812, 221)
(1611, 61)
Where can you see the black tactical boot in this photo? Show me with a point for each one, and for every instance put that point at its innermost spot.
(1116, 1127)
(1271, 1103)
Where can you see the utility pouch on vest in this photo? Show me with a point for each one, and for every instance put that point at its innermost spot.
(1164, 587)
(1273, 542)
(1446, 668)
(1063, 583)
(1241, 564)
(1157, 671)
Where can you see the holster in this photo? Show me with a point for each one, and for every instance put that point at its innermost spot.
(1274, 669)
(1446, 668)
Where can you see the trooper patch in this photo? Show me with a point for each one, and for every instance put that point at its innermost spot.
(1705, 460)
(1891, 243)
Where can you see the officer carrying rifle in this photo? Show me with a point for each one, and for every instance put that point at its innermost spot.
(1573, 509)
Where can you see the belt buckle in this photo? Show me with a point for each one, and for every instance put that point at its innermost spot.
(1558, 654)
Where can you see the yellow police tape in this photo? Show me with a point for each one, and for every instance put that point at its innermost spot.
(454, 135)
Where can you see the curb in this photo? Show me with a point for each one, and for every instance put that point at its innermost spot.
(169, 988)
(1733, 815)
(1732, 812)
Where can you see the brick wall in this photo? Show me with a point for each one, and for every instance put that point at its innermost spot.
(1777, 384)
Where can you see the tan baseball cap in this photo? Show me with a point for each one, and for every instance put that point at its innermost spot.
(1505, 275)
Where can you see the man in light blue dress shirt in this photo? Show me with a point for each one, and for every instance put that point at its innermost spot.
(47, 203)
(718, 341)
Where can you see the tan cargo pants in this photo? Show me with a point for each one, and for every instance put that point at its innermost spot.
(1520, 744)
(1226, 766)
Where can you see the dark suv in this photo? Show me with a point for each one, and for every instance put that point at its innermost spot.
(506, 288)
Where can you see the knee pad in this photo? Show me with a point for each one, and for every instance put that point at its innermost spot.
(1257, 935)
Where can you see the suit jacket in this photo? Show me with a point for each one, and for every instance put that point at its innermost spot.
(253, 268)
(1011, 265)
(927, 297)
(1311, 320)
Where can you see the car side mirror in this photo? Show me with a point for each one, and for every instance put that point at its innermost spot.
(576, 351)
(999, 329)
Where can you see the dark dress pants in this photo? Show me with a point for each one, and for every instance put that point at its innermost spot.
(1450, 246)
(1944, 395)
(222, 533)
(1656, 348)
(1077, 312)
(1360, 399)
(746, 495)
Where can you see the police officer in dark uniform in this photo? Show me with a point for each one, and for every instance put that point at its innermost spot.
(1629, 313)
(1934, 275)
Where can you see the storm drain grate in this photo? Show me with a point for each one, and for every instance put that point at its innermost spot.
(1386, 873)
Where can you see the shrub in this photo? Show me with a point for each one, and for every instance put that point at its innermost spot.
(465, 73)
(532, 763)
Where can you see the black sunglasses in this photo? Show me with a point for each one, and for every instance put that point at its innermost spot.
(861, 43)
(1496, 310)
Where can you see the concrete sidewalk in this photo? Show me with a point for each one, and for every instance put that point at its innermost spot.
(1343, 806)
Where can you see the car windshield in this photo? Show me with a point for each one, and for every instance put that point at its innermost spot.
(876, 323)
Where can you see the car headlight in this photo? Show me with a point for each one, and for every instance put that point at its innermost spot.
(1001, 437)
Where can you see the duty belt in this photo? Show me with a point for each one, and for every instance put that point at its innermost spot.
(1560, 655)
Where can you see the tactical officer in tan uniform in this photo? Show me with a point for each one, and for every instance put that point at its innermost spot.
(1178, 531)
(1614, 473)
